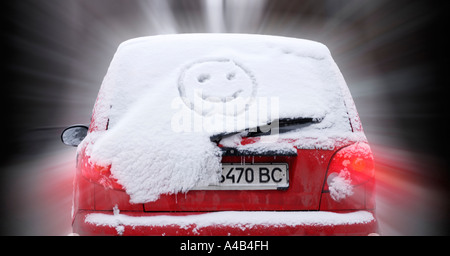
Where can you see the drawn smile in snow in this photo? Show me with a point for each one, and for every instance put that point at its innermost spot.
(217, 86)
(214, 98)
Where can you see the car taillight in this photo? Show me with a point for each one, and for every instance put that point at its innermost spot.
(98, 174)
(352, 165)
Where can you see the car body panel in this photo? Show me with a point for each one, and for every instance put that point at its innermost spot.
(97, 190)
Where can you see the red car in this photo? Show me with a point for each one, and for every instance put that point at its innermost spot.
(223, 134)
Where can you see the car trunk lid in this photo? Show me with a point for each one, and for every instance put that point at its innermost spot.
(306, 170)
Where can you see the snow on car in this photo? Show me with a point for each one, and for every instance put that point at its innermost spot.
(199, 125)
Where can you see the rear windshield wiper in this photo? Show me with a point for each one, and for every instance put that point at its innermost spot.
(284, 125)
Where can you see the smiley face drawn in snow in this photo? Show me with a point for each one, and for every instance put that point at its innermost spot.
(217, 86)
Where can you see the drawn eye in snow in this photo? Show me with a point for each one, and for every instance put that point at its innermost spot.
(217, 86)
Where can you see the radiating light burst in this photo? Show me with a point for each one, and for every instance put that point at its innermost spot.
(63, 48)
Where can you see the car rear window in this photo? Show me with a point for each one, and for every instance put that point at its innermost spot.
(300, 73)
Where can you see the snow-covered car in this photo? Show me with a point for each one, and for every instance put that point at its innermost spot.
(223, 134)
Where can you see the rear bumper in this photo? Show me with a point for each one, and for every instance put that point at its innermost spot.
(225, 223)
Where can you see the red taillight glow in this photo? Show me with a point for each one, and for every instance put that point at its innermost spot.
(355, 162)
(98, 174)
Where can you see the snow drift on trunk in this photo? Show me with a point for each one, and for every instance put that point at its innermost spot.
(148, 159)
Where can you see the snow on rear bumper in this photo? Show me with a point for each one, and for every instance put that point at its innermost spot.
(225, 223)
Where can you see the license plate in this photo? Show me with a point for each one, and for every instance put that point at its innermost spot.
(252, 177)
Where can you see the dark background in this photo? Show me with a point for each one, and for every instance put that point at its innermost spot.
(393, 54)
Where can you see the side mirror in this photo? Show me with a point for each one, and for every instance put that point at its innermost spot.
(73, 135)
